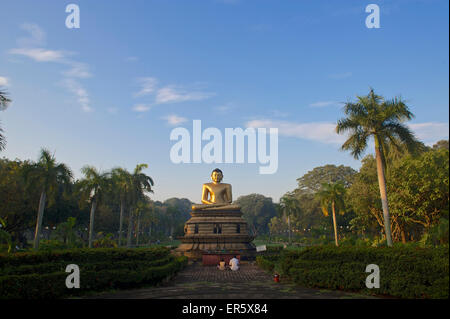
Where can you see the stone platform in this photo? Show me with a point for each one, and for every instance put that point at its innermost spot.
(218, 231)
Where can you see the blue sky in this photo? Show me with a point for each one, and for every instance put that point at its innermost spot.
(109, 94)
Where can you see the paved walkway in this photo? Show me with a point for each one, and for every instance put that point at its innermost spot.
(250, 282)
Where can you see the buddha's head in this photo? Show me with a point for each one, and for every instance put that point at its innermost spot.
(216, 175)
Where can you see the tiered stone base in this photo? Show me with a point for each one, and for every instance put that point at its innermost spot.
(216, 231)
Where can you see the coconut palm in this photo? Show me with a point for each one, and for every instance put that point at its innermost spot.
(143, 207)
(289, 206)
(4, 103)
(46, 175)
(122, 183)
(332, 195)
(141, 184)
(92, 188)
(373, 116)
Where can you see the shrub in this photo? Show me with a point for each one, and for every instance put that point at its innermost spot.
(40, 275)
(406, 272)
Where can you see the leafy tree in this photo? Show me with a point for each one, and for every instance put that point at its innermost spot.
(46, 175)
(92, 188)
(372, 116)
(4, 235)
(17, 203)
(420, 188)
(4, 103)
(257, 210)
(332, 195)
(66, 230)
(441, 144)
(312, 181)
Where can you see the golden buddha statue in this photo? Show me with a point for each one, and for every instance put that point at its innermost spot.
(216, 195)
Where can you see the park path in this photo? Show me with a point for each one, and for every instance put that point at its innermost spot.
(206, 282)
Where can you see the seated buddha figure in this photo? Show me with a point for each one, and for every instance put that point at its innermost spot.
(216, 194)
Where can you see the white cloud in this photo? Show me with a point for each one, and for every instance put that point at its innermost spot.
(175, 119)
(430, 132)
(324, 132)
(225, 108)
(324, 104)
(31, 47)
(315, 131)
(36, 36)
(4, 81)
(78, 70)
(148, 86)
(171, 94)
(81, 94)
(141, 108)
(40, 54)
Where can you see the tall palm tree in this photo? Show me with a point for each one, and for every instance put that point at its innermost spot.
(373, 116)
(46, 175)
(92, 187)
(332, 195)
(143, 207)
(289, 206)
(4, 103)
(122, 183)
(141, 184)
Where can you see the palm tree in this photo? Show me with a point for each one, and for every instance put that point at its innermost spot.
(47, 175)
(143, 207)
(4, 103)
(289, 205)
(141, 183)
(5, 236)
(332, 195)
(373, 116)
(122, 182)
(92, 187)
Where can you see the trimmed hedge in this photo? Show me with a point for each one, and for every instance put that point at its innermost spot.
(405, 272)
(81, 255)
(47, 280)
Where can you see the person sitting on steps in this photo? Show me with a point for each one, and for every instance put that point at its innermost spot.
(234, 264)
(221, 265)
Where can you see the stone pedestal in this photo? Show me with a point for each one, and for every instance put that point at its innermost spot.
(216, 230)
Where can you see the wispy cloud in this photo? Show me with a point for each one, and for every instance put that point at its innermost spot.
(32, 46)
(174, 119)
(339, 76)
(141, 108)
(225, 108)
(81, 94)
(78, 70)
(4, 81)
(430, 132)
(36, 36)
(320, 104)
(40, 54)
(147, 86)
(172, 94)
(315, 131)
(324, 104)
(324, 132)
